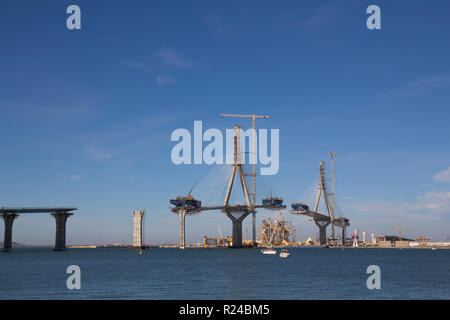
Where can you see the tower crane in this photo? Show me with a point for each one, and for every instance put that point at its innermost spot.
(399, 232)
(253, 117)
(332, 155)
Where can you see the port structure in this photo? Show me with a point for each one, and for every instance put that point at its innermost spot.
(235, 212)
(60, 215)
(322, 221)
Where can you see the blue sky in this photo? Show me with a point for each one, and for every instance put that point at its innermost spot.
(87, 114)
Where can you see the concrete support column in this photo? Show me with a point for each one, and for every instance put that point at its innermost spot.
(322, 225)
(322, 235)
(237, 228)
(60, 238)
(8, 218)
(182, 214)
(322, 232)
(237, 233)
(343, 235)
(138, 228)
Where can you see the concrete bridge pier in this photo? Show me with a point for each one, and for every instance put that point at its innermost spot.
(8, 218)
(322, 231)
(182, 214)
(237, 229)
(60, 239)
(343, 235)
(237, 234)
(138, 228)
(322, 235)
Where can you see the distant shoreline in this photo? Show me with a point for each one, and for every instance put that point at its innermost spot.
(219, 247)
(197, 246)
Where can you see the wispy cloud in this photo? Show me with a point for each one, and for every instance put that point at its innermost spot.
(117, 143)
(164, 61)
(143, 125)
(162, 80)
(443, 176)
(73, 177)
(430, 205)
(416, 88)
(215, 24)
(173, 58)
(94, 153)
(141, 66)
(435, 202)
(324, 15)
(433, 205)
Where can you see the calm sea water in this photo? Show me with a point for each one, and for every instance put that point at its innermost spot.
(310, 273)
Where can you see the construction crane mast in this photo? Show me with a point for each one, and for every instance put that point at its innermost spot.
(332, 155)
(253, 117)
(399, 232)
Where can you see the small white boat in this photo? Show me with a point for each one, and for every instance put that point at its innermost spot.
(284, 254)
(268, 251)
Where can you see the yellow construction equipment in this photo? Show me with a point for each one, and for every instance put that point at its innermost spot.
(209, 241)
(276, 232)
(399, 232)
(423, 238)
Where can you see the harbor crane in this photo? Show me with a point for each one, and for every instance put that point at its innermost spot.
(399, 232)
(253, 175)
(400, 229)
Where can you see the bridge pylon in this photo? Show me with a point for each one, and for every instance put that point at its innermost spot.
(235, 212)
(322, 192)
(322, 220)
(230, 211)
